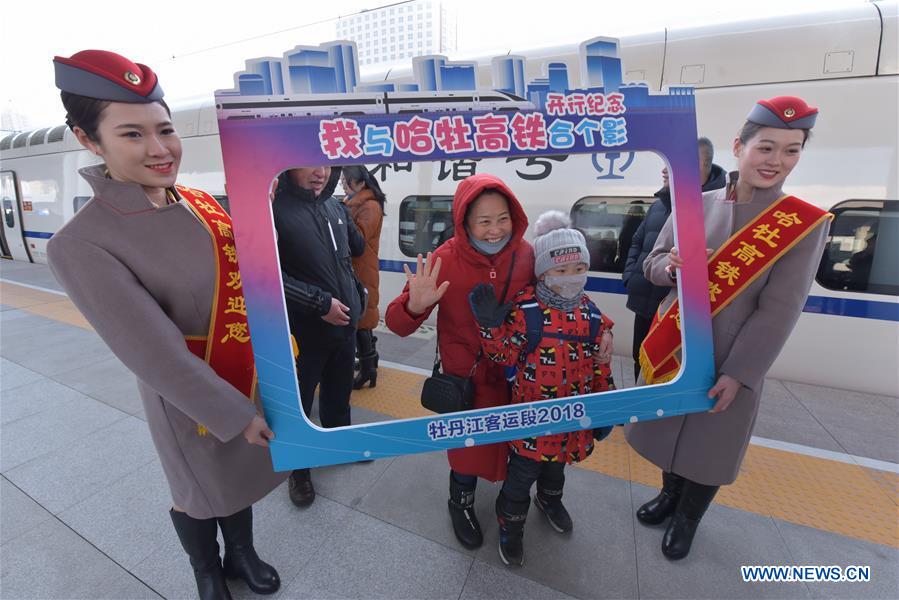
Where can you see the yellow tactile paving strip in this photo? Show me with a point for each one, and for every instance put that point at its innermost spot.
(52, 306)
(848, 500)
(845, 499)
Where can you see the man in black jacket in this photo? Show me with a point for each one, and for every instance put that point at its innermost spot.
(316, 240)
(643, 298)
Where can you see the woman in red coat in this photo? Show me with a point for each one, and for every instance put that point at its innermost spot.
(488, 247)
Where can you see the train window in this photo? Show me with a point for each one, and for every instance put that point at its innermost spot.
(9, 196)
(223, 200)
(57, 133)
(6, 143)
(425, 223)
(609, 223)
(79, 201)
(38, 136)
(860, 254)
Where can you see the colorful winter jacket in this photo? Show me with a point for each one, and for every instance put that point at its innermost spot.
(557, 368)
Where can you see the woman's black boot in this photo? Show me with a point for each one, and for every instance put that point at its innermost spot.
(511, 516)
(368, 360)
(198, 540)
(461, 509)
(695, 499)
(662, 506)
(241, 559)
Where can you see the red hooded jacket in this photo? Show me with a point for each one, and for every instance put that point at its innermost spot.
(458, 333)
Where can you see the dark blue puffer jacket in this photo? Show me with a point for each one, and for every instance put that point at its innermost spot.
(643, 297)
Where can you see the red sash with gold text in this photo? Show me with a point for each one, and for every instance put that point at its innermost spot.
(735, 265)
(226, 348)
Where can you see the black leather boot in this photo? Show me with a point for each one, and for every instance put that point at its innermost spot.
(461, 509)
(695, 499)
(662, 506)
(368, 360)
(511, 516)
(550, 502)
(198, 540)
(299, 485)
(241, 559)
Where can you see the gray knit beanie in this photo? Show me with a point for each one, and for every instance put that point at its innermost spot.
(556, 244)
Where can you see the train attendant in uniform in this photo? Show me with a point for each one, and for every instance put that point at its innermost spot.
(488, 247)
(152, 266)
(767, 246)
(365, 200)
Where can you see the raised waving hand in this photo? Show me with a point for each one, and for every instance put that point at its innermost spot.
(423, 289)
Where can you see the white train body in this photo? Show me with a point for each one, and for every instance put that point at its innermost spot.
(844, 62)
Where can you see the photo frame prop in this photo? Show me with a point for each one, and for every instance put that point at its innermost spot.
(309, 108)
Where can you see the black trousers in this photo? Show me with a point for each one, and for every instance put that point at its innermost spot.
(641, 328)
(523, 472)
(330, 369)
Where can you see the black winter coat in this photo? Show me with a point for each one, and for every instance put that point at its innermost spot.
(643, 297)
(316, 240)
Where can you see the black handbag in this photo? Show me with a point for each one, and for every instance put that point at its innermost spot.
(443, 393)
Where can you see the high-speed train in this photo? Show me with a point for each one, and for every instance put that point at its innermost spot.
(260, 107)
(844, 62)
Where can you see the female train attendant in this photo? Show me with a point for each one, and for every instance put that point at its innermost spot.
(365, 200)
(768, 246)
(152, 267)
(488, 247)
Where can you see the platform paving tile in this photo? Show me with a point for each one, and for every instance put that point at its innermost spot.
(595, 560)
(128, 520)
(29, 273)
(13, 375)
(421, 507)
(108, 381)
(34, 397)
(18, 512)
(72, 348)
(596, 502)
(24, 337)
(285, 536)
(52, 561)
(62, 478)
(863, 424)
(727, 538)
(815, 547)
(43, 432)
(368, 558)
(783, 417)
(488, 582)
(348, 483)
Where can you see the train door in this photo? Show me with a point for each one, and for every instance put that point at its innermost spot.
(14, 246)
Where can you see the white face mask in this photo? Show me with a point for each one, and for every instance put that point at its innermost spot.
(567, 286)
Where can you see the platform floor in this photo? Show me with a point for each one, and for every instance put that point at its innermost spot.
(83, 499)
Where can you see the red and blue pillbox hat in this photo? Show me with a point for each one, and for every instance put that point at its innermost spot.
(106, 75)
(783, 112)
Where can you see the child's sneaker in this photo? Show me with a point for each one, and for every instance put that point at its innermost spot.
(555, 512)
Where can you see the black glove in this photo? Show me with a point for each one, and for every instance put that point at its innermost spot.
(488, 312)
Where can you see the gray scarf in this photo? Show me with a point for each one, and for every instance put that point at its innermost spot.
(555, 301)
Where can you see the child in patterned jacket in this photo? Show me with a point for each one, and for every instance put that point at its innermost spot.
(560, 345)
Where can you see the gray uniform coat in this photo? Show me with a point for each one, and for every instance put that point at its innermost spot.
(144, 278)
(748, 334)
